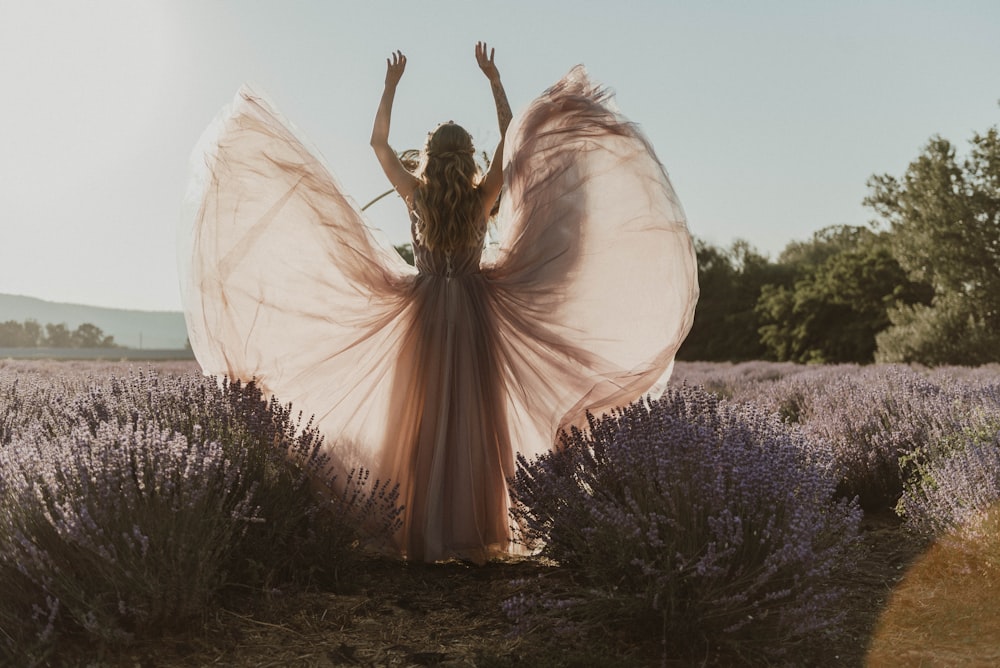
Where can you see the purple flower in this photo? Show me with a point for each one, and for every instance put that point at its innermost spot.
(711, 515)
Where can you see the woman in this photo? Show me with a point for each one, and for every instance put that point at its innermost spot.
(452, 472)
(438, 377)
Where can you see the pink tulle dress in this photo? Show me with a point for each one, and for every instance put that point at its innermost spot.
(436, 376)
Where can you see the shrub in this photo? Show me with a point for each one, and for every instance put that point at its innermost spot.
(126, 530)
(729, 380)
(26, 399)
(946, 332)
(129, 503)
(865, 422)
(955, 492)
(879, 426)
(686, 517)
(879, 423)
(284, 457)
(791, 395)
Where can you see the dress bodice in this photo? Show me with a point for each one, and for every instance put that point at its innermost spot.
(459, 262)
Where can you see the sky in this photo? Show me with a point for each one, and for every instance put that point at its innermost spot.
(769, 116)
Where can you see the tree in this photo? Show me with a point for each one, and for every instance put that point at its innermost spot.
(943, 218)
(846, 281)
(33, 335)
(29, 334)
(725, 321)
(58, 336)
(90, 336)
(10, 332)
(15, 334)
(942, 333)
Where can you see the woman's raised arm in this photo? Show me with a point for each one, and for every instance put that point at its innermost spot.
(401, 179)
(491, 185)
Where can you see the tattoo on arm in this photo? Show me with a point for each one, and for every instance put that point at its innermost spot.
(503, 107)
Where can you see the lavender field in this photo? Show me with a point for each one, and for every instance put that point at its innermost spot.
(755, 514)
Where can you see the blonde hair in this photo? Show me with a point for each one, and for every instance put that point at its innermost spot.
(447, 201)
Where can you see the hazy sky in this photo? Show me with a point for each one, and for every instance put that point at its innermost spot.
(769, 116)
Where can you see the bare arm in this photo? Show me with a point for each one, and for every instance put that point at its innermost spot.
(402, 180)
(491, 185)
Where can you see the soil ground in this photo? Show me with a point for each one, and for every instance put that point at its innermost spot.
(450, 615)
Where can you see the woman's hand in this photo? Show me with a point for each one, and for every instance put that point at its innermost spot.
(487, 65)
(403, 181)
(394, 67)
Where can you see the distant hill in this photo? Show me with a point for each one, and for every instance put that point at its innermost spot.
(134, 329)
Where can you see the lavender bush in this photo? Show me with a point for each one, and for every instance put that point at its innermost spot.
(127, 503)
(730, 380)
(956, 492)
(27, 399)
(973, 376)
(791, 394)
(875, 425)
(688, 517)
(866, 422)
(283, 456)
(123, 531)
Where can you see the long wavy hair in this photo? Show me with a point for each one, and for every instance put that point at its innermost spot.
(447, 200)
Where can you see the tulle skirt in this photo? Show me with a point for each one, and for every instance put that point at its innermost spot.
(437, 383)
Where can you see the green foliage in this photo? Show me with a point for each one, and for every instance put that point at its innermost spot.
(846, 280)
(944, 220)
(946, 332)
(725, 321)
(823, 301)
(925, 289)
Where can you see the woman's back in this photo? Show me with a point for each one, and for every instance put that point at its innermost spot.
(448, 263)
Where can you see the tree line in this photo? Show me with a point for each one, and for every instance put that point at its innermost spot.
(31, 334)
(921, 283)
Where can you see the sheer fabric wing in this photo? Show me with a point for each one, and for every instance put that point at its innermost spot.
(591, 293)
(287, 285)
(595, 278)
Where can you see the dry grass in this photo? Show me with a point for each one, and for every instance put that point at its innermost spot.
(946, 611)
